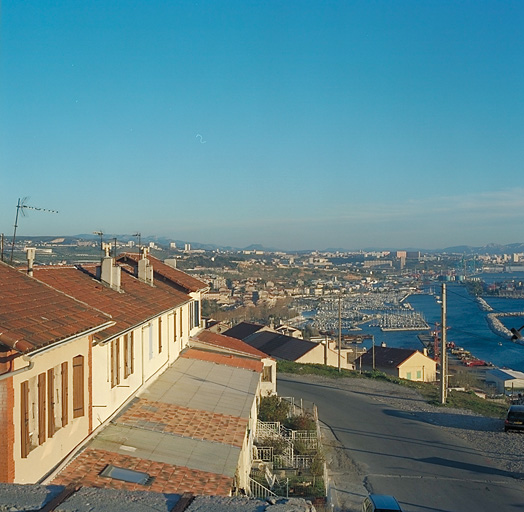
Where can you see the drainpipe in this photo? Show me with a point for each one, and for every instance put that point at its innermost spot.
(20, 370)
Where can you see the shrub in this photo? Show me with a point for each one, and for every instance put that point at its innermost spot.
(302, 422)
(273, 408)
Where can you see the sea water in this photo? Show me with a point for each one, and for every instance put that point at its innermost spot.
(467, 326)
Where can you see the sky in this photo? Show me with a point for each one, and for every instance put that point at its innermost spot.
(291, 124)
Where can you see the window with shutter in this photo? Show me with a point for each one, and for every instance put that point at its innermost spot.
(159, 334)
(129, 366)
(78, 386)
(65, 394)
(51, 427)
(42, 391)
(115, 362)
(24, 419)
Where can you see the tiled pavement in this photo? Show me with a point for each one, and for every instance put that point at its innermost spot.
(167, 478)
(197, 424)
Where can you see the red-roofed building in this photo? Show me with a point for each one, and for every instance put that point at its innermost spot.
(228, 345)
(45, 374)
(154, 320)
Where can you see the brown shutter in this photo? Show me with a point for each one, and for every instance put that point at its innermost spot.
(132, 352)
(51, 402)
(65, 394)
(78, 386)
(117, 360)
(126, 356)
(174, 326)
(41, 408)
(24, 418)
(159, 335)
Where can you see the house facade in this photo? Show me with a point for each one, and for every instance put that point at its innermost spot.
(45, 375)
(403, 363)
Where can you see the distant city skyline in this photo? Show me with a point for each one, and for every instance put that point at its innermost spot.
(295, 125)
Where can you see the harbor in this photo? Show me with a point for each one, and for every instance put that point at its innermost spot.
(486, 338)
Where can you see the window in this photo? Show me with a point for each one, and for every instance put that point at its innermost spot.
(408, 375)
(419, 374)
(197, 313)
(129, 360)
(149, 334)
(126, 475)
(78, 386)
(115, 362)
(181, 333)
(267, 374)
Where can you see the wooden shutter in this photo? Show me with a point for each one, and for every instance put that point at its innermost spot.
(78, 386)
(65, 394)
(159, 335)
(41, 408)
(129, 367)
(51, 402)
(126, 356)
(132, 352)
(24, 418)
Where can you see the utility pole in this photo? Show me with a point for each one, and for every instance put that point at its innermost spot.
(443, 352)
(339, 327)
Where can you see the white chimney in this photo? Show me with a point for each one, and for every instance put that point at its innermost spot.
(145, 269)
(110, 273)
(31, 251)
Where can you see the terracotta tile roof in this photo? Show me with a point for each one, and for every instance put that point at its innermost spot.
(137, 302)
(228, 360)
(166, 272)
(194, 423)
(33, 315)
(168, 478)
(223, 341)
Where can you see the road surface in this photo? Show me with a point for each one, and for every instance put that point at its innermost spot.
(391, 451)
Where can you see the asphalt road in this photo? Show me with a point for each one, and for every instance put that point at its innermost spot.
(423, 466)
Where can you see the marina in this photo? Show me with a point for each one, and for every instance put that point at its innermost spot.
(486, 338)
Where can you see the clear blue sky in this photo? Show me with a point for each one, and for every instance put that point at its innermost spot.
(293, 124)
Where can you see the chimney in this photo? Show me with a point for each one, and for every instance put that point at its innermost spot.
(109, 272)
(31, 251)
(145, 269)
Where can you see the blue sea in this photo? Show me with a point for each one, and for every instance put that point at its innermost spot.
(467, 325)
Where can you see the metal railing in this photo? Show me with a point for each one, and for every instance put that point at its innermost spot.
(260, 491)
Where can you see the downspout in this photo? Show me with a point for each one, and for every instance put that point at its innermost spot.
(25, 357)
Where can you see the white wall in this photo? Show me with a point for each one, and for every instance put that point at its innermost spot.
(43, 458)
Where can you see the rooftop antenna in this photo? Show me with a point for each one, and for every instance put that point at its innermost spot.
(101, 235)
(139, 235)
(21, 207)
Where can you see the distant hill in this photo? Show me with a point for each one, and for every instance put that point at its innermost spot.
(491, 249)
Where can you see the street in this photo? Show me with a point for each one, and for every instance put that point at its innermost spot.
(394, 452)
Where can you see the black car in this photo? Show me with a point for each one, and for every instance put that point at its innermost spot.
(515, 418)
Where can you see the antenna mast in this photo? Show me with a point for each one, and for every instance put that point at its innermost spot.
(21, 207)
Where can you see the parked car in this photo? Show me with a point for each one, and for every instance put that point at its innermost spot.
(515, 418)
(380, 503)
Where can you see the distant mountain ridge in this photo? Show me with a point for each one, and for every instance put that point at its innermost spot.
(490, 249)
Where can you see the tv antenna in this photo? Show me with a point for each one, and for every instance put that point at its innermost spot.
(101, 235)
(139, 236)
(22, 207)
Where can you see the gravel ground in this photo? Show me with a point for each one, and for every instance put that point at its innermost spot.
(487, 434)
